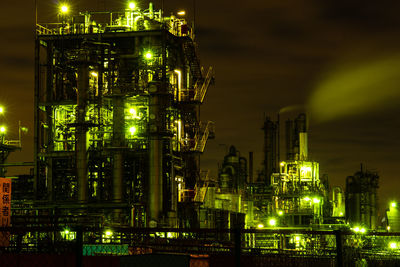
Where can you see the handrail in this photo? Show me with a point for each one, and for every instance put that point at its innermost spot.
(201, 93)
(200, 144)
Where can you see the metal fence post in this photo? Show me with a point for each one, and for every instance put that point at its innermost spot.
(339, 248)
(79, 247)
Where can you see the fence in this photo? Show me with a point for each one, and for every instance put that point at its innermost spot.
(39, 246)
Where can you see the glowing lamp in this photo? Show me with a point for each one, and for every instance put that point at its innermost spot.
(272, 222)
(316, 200)
(181, 13)
(148, 55)
(64, 9)
(1, 109)
(393, 204)
(108, 233)
(280, 213)
(132, 5)
(2, 129)
(392, 245)
(132, 130)
(260, 226)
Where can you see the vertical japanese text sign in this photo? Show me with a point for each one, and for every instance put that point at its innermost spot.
(5, 209)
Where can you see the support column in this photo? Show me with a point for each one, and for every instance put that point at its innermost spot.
(81, 129)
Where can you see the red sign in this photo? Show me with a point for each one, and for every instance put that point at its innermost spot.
(5, 209)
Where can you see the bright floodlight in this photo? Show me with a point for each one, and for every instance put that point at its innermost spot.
(393, 245)
(94, 74)
(2, 129)
(108, 233)
(316, 200)
(1, 109)
(272, 222)
(307, 199)
(393, 204)
(362, 230)
(280, 213)
(132, 5)
(148, 55)
(64, 9)
(260, 226)
(132, 130)
(181, 13)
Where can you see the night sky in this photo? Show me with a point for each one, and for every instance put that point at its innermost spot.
(337, 60)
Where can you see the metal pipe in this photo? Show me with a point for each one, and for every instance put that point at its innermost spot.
(251, 167)
(155, 188)
(81, 155)
(118, 137)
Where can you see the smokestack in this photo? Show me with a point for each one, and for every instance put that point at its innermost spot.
(251, 179)
(270, 148)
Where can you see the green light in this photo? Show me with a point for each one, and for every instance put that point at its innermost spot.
(356, 229)
(316, 200)
(133, 112)
(132, 130)
(392, 245)
(1, 109)
(132, 5)
(148, 55)
(307, 199)
(393, 204)
(362, 230)
(341, 214)
(2, 129)
(272, 222)
(64, 9)
(66, 231)
(108, 233)
(280, 213)
(260, 226)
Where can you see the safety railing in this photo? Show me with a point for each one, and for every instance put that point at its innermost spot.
(248, 247)
(201, 89)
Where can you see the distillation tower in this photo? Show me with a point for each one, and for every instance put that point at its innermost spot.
(118, 134)
(298, 193)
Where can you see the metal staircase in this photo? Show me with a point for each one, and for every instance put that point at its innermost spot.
(189, 49)
(201, 88)
(202, 137)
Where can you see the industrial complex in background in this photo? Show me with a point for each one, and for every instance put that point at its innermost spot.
(118, 139)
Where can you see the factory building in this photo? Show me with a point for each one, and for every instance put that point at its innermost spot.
(118, 135)
(362, 199)
(298, 193)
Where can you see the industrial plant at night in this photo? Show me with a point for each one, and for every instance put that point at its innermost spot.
(117, 147)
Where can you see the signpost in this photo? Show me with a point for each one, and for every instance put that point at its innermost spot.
(5, 210)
